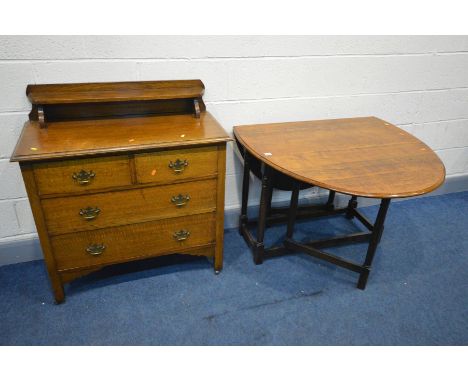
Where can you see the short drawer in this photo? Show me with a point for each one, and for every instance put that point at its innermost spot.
(172, 165)
(111, 245)
(82, 174)
(100, 210)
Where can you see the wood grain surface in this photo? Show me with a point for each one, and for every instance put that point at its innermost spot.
(154, 167)
(106, 136)
(113, 91)
(127, 207)
(357, 156)
(57, 177)
(132, 241)
(133, 199)
(42, 231)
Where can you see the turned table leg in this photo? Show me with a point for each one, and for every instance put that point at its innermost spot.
(245, 192)
(262, 213)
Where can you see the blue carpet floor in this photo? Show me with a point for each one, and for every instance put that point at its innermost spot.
(417, 292)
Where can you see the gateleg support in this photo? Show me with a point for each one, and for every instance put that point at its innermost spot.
(374, 241)
(292, 213)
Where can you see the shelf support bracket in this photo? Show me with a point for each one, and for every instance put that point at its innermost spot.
(41, 116)
(196, 107)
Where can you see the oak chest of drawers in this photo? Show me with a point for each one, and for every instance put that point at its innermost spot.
(117, 172)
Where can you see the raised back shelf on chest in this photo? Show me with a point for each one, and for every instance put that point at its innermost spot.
(52, 103)
(122, 171)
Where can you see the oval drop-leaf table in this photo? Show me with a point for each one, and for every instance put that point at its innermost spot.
(360, 157)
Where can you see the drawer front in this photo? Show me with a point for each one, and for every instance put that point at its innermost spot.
(172, 165)
(87, 212)
(82, 174)
(110, 245)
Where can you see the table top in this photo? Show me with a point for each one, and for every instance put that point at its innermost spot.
(115, 135)
(356, 156)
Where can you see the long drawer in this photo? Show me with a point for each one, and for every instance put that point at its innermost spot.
(173, 165)
(111, 245)
(73, 176)
(87, 212)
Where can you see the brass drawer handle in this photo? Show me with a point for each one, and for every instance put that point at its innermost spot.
(89, 213)
(178, 166)
(96, 249)
(83, 177)
(181, 235)
(180, 200)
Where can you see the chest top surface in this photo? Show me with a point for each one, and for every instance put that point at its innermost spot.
(75, 120)
(92, 137)
(357, 156)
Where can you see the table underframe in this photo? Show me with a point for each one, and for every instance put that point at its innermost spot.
(268, 215)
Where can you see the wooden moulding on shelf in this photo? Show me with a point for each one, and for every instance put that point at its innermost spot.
(65, 102)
